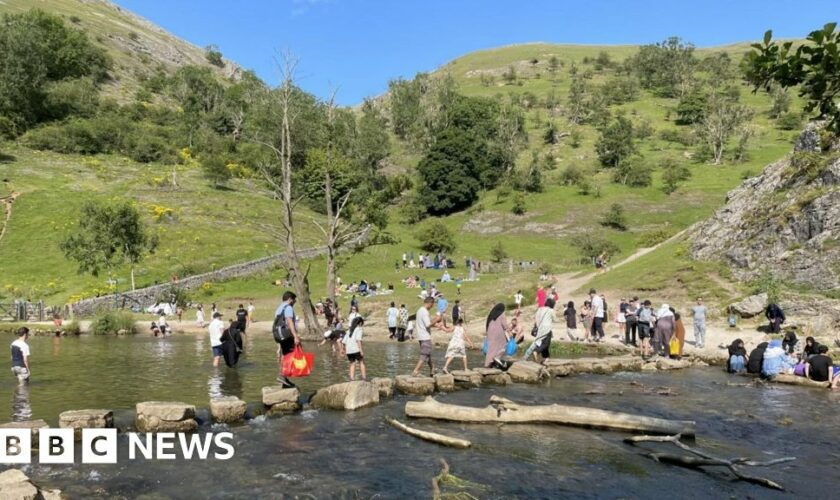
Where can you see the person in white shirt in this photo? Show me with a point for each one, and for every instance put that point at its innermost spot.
(20, 355)
(251, 310)
(517, 299)
(215, 329)
(597, 315)
(423, 324)
(164, 328)
(353, 347)
(199, 316)
(392, 314)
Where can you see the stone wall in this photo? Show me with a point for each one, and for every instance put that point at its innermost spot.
(144, 297)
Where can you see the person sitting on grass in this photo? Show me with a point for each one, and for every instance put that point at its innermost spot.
(456, 347)
(353, 347)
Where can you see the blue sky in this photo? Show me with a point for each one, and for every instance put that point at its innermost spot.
(357, 46)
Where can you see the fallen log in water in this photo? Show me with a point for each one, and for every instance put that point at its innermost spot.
(784, 378)
(505, 411)
(429, 436)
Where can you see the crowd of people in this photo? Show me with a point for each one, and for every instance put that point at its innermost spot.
(784, 356)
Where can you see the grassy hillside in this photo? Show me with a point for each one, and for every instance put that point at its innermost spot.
(137, 47)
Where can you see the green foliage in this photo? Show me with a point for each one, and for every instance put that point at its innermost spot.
(551, 133)
(673, 172)
(614, 217)
(767, 283)
(576, 136)
(620, 90)
(683, 137)
(616, 142)
(667, 67)
(434, 236)
(215, 170)
(518, 207)
(781, 101)
(174, 295)
(572, 175)
(36, 49)
(813, 67)
(590, 245)
(724, 116)
(805, 165)
(108, 234)
(584, 185)
(214, 56)
(633, 172)
(654, 237)
(533, 181)
(113, 322)
(691, 108)
(71, 97)
(371, 143)
(789, 121)
(449, 174)
(498, 252)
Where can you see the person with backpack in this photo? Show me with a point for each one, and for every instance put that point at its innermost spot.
(631, 321)
(285, 333)
(775, 316)
(353, 348)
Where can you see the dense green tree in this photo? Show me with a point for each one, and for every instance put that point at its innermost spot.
(673, 172)
(450, 173)
(519, 207)
(633, 171)
(719, 69)
(620, 89)
(814, 67)
(667, 67)
(591, 245)
(371, 143)
(36, 48)
(498, 252)
(691, 108)
(108, 235)
(214, 56)
(216, 170)
(614, 217)
(616, 142)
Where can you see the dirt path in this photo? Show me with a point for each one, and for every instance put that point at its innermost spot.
(8, 201)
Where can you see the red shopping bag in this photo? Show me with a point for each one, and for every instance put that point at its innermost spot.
(298, 363)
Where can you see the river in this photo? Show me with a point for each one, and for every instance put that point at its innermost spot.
(356, 455)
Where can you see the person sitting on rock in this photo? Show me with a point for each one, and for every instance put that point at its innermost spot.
(820, 367)
(774, 359)
(737, 361)
(789, 342)
(756, 358)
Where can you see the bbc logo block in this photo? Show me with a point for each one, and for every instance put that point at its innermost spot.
(57, 446)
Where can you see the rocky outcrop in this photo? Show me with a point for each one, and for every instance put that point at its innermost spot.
(281, 400)
(750, 306)
(165, 416)
(785, 221)
(228, 409)
(418, 386)
(86, 419)
(347, 396)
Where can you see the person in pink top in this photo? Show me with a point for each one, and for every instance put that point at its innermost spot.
(541, 296)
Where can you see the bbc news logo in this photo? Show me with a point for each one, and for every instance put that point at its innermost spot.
(99, 446)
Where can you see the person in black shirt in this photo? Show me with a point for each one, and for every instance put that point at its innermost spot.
(789, 342)
(241, 319)
(820, 367)
(811, 346)
(456, 312)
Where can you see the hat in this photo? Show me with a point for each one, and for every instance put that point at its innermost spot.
(217, 314)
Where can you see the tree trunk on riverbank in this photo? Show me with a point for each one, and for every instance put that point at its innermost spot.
(505, 411)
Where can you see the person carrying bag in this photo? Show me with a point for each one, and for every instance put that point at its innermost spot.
(543, 322)
(285, 334)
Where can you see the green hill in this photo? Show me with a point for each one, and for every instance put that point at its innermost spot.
(202, 227)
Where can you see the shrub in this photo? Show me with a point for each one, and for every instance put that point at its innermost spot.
(215, 170)
(769, 284)
(146, 148)
(519, 207)
(684, 137)
(434, 236)
(654, 237)
(77, 97)
(614, 218)
(503, 192)
(616, 142)
(633, 172)
(571, 176)
(498, 252)
(72, 328)
(214, 56)
(112, 322)
(673, 173)
(591, 245)
(789, 121)
(584, 186)
(174, 294)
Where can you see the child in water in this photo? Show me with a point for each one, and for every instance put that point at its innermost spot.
(456, 348)
(353, 347)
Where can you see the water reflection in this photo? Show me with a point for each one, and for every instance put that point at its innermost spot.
(214, 385)
(21, 408)
(231, 383)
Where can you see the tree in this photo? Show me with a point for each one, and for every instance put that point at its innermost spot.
(108, 235)
(673, 173)
(667, 67)
(591, 245)
(781, 101)
(633, 171)
(435, 237)
(614, 218)
(214, 56)
(519, 207)
(723, 117)
(510, 75)
(37, 48)
(371, 142)
(450, 173)
(616, 142)
(553, 65)
(571, 176)
(814, 67)
(216, 170)
(691, 107)
(576, 104)
(279, 115)
(533, 181)
(498, 252)
(719, 69)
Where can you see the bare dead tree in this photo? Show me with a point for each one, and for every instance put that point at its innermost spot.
(277, 173)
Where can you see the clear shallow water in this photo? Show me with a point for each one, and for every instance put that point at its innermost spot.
(357, 455)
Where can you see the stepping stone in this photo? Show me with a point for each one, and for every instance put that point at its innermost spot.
(418, 386)
(228, 409)
(444, 382)
(385, 386)
(165, 416)
(86, 419)
(347, 396)
(466, 378)
(527, 372)
(281, 399)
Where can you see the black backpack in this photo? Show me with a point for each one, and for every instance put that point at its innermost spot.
(280, 329)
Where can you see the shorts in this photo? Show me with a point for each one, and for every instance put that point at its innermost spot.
(426, 350)
(354, 357)
(217, 351)
(286, 346)
(21, 373)
(835, 371)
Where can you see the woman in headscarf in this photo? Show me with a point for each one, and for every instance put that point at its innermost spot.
(543, 320)
(664, 330)
(774, 359)
(810, 348)
(679, 331)
(756, 358)
(736, 362)
(496, 329)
